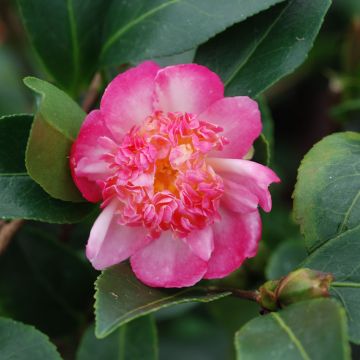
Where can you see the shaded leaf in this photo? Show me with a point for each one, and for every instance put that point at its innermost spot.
(20, 196)
(44, 283)
(67, 37)
(140, 29)
(285, 259)
(268, 46)
(121, 298)
(23, 342)
(134, 341)
(56, 125)
(327, 207)
(296, 333)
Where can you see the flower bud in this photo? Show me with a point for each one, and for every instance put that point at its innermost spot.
(303, 284)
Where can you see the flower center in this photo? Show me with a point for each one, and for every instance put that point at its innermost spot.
(161, 177)
(165, 177)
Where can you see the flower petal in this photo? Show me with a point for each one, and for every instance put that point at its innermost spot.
(128, 99)
(187, 88)
(167, 262)
(201, 242)
(246, 177)
(240, 118)
(236, 238)
(86, 164)
(109, 242)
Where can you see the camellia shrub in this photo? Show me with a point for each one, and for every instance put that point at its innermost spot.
(145, 187)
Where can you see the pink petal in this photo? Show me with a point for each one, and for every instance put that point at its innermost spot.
(85, 160)
(168, 262)
(236, 238)
(128, 99)
(246, 177)
(187, 88)
(109, 242)
(240, 118)
(201, 242)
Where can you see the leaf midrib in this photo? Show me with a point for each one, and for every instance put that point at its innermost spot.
(151, 307)
(74, 42)
(262, 39)
(291, 335)
(113, 38)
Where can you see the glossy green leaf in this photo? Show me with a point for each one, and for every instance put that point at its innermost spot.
(309, 330)
(67, 36)
(141, 29)
(20, 196)
(56, 125)
(121, 298)
(327, 207)
(285, 259)
(44, 283)
(327, 193)
(23, 342)
(268, 46)
(134, 341)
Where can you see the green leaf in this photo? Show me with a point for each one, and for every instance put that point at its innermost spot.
(140, 29)
(134, 341)
(285, 259)
(327, 207)
(44, 283)
(55, 127)
(327, 193)
(268, 46)
(67, 36)
(23, 342)
(121, 298)
(313, 330)
(20, 196)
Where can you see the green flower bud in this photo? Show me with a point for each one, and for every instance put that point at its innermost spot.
(303, 284)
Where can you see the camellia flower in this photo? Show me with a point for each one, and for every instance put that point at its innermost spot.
(165, 155)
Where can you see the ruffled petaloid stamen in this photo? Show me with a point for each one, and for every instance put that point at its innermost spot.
(161, 177)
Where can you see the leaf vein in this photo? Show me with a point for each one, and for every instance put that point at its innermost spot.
(291, 335)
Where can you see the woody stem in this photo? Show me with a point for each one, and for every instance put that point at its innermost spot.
(252, 295)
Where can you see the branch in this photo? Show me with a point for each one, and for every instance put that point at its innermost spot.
(7, 231)
(252, 295)
(92, 94)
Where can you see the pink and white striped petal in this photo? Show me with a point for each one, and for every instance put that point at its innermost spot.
(236, 238)
(250, 176)
(240, 118)
(109, 242)
(168, 262)
(86, 163)
(128, 99)
(187, 88)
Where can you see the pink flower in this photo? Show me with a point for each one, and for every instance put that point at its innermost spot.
(165, 154)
